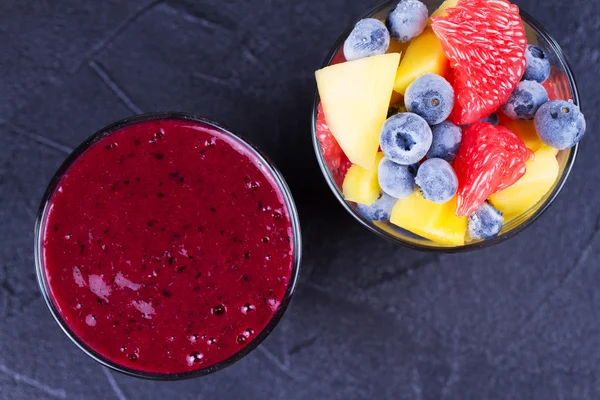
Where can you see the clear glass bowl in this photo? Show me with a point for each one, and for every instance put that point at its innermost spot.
(42, 217)
(565, 88)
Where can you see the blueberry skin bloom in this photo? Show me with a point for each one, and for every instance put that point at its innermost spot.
(437, 180)
(379, 211)
(369, 38)
(486, 222)
(405, 138)
(526, 99)
(446, 141)
(407, 20)
(560, 124)
(538, 65)
(396, 180)
(431, 97)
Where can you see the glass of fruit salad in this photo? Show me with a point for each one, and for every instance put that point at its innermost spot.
(449, 130)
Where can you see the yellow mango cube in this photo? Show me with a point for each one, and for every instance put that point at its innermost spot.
(362, 185)
(433, 221)
(550, 149)
(384, 226)
(396, 99)
(424, 54)
(541, 174)
(441, 11)
(525, 130)
(397, 46)
(355, 96)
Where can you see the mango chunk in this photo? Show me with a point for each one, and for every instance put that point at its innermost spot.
(396, 99)
(441, 11)
(524, 129)
(355, 96)
(541, 174)
(362, 185)
(424, 54)
(550, 149)
(436, 222)
(397, 47)
(384, 226)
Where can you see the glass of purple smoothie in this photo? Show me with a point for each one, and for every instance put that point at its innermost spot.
(167, 247)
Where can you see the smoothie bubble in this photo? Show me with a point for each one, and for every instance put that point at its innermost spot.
(194, 358)
(90, 320)
(246, 308)
(218, 310)
(241, 339)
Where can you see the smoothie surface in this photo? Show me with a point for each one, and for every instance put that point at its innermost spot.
(167, 246)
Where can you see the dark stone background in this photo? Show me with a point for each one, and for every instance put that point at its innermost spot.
(370, 320)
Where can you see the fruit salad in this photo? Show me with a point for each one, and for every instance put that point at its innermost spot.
(447, 125)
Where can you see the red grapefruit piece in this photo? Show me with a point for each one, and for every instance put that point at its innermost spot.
(489, 159)
(485, 43)
(332, 152)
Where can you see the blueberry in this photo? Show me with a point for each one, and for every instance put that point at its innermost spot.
(379, 211)
(538, 65)
(369, 37)
(407, 20)
(431, 97)
(437, 180)
(560, 124)
(396, 180)
(485, 222)
(493, 119)
(525, 100)
(405, 138)
(446, 141)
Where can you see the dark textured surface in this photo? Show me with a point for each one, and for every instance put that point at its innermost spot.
(370, 320)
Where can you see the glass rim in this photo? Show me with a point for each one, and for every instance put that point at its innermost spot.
(38, 243)
(556, 49)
